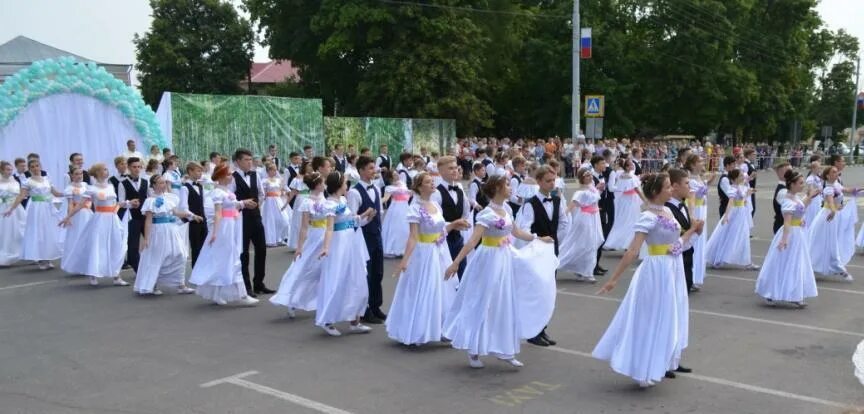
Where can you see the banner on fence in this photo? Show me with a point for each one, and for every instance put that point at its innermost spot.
(399, 134)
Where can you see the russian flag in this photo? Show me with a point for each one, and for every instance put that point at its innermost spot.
(585, 44)
(861, 100)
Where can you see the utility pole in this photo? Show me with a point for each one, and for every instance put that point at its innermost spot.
(852, 133)
(575, 107)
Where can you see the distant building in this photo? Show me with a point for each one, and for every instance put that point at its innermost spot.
(269, 73)
(22, 51)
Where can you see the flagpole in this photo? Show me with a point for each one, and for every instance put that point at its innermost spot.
(576, 99)
(852, 132)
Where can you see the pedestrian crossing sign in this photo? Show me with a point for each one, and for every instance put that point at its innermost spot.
(595, 106)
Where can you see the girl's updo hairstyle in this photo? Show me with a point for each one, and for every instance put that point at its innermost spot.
(153, 179)
(734, 175)
(313, 179)
(493, 185)
(334, 183)
(220, 172)
(652, 184)
(691, 160)
(827, 171)
(582, 174)
(791, 176)
(418, 181)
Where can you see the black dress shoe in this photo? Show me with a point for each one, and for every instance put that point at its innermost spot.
(380, 315)
(682, 369)
(601, 269)
(371, 319)
(538, 340)
(546, 338)
(597, 272)
(251, 294)
(670, 374)
(264, 290)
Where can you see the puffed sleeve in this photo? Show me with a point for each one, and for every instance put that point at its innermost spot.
(828, 191)
(305, 206)
(788, 206)
(486, 217)
(646, 222)
(218, 196)
(330, 208)
(413, 215)
(148, 205)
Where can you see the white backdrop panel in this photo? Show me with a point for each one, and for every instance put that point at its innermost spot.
(59, 125)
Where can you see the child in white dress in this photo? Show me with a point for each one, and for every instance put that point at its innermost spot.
(75, 195)
(274, 207)
(628, 207)
(299, 192)
(394, 226)
(697, 203)
(825, 235)
(578, 248)
(13, 220)
(729, 244)
(41, 241)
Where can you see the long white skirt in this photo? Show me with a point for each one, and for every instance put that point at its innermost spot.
(729, 244)
(422, 296)
(824, 239)
(700, 242)
(787, 275)
(627, 210)
(395, 228)
(650, 328)
(163, 262)
(858, 361)
(295, 221)
(848, 218)
(217, 273)
(74, 232)
(577, 251)
(299, 286)
(274, 220)
(41, 239)
(101, 248)
(343, 292)
(812, 210)
(11, 234)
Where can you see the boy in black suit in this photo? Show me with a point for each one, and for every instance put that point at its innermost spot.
(680, 181)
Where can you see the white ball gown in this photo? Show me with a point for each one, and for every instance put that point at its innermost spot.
(101, 248)
(422, 295)
(729, 244)
(41, 239)
(858, 361)
(578, 248)
(302, 194)
(649, 331)
(825, 237)
(813, 182)
(273, 217)
(163, 262)
(299, 286)
(787, 275)
(505, 294)
(217, 273)
(75, 195)
(699, 211)
(848, 220)
(12, 227)
(342, 291)
(394, 226)
(628, 206)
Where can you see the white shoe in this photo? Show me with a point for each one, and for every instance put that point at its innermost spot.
(359, 328)
(474, 361)
(248, 301)
(156, 292)
(185, 290)
(769, 302)
(291, 313)
(751, 266)
(847, 277)
(50, 265)
(120, 282)
(220, 301)
(513, 361)
(645, 384)
(43, 266)
(94, 281)
(331, 330)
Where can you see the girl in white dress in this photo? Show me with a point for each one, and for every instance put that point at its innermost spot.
(41, 241)
(486, 317)
(787, 274)
(394, 226)
(422, 295)
(628, 207)
(13, 220)
(163, 248)
(75, 195)
(578, 248)
(299, 286)
(342, 290)
(825, 236)
(697, 204)
(101, 248)
(172, 176)
(649, 331)
(814, 182)
(217, 273)
(299, 192)
(273, 212)
(729, 244)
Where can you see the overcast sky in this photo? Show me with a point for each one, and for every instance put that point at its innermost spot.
(102, 30)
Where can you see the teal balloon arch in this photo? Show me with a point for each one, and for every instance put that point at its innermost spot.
(66, 75)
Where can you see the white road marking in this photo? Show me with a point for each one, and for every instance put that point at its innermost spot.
(731, 316)
(821, 288)
(848, 265)
(239, 381)
(27, 285)
(733, 384)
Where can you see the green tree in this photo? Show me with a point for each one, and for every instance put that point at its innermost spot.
(197, 46)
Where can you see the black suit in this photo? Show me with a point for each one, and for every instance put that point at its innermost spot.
(136, 219)
(778, 212)
(292, 174)
(682, 216)
(253, 230)
(197, 231)
(752, 184)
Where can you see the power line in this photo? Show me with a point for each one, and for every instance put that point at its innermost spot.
(475, 10)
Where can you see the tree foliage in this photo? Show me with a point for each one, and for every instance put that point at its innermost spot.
(198, 46)
(744, 67)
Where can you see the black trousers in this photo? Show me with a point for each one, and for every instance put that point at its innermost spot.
(687, 257)
(607, 219)
(455, 243)
(253, 231)
(374, 268)
(197, 237)
(133, 254)
(753, 203)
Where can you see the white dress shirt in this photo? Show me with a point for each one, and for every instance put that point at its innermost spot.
(466, 205)
(355, 200)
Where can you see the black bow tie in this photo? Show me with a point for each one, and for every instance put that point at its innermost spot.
(370, 187)
(682, 206)
(452, 188)
(248, 173)
(547, 200)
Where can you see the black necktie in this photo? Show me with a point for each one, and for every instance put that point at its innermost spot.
(452, 188)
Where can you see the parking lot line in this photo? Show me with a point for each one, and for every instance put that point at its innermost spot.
(23, 285)
(240, 381)
(753, 281)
